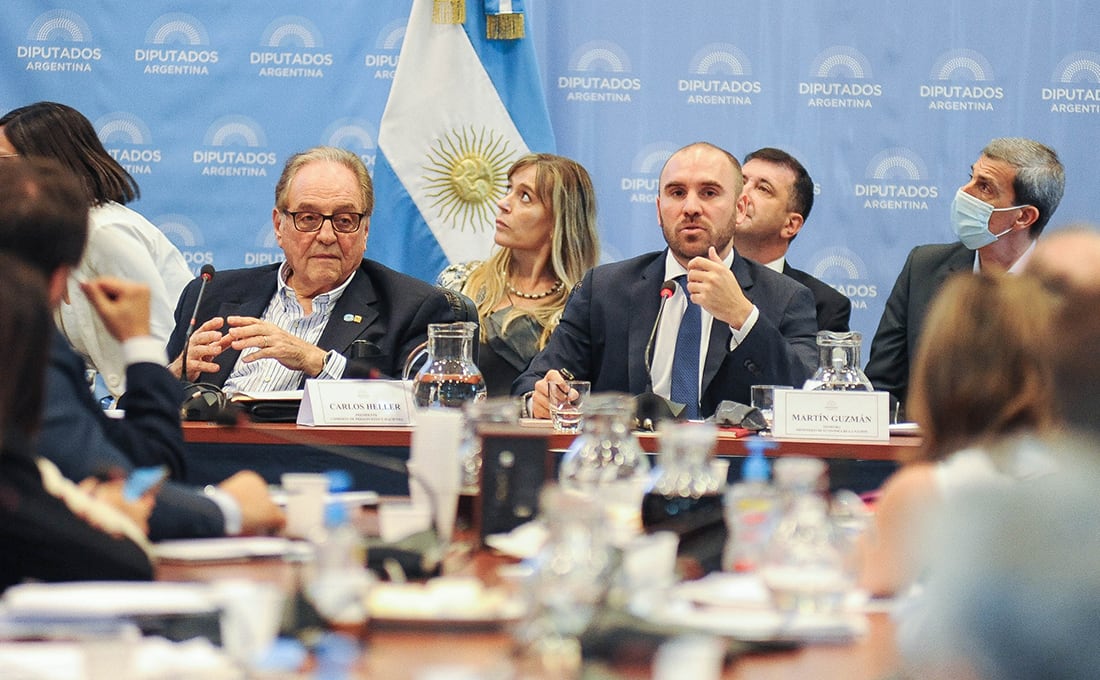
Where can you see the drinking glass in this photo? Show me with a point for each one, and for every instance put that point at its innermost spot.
(566, 402)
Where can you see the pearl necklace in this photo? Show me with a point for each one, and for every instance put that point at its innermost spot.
(535, 296)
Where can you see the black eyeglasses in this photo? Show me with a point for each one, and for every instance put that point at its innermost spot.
(342, 222)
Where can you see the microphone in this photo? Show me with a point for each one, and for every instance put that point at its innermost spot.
(649, 407)
(667, 291)
(206, 274)
(361, 360)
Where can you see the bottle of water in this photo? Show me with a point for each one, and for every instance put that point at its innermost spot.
(340, 580)
(804, 564)
(751, 508)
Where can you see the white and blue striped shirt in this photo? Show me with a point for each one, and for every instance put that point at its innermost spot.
(284, 311)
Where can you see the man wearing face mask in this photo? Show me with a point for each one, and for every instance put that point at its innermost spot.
(1014, 189)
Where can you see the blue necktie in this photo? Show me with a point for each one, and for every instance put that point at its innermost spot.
(685, 363)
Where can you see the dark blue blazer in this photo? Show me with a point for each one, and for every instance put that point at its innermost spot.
(607, 322)
(834, 309)
(895, 341)
(82, 441)
(380, 305)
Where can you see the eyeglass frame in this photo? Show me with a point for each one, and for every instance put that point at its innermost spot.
(330, 218)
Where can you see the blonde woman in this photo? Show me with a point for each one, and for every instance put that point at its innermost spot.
(546, 237)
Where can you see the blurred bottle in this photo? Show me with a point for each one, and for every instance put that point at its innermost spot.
(686, 497)
(804, 563)
(338, 587)
(606, 462)
(751, 508)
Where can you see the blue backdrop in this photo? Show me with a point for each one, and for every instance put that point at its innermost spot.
(886, 103)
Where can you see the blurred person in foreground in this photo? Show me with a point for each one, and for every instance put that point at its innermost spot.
(982, 373)
(1014, 188)
(747, 324)
(270, 328)
(779, 195)
(51, 530)
(1068, 259)
(1013, 592)
(44, 222)
(121, 243)
(547, 239)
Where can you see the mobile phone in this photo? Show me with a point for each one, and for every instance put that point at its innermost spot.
(141, 480)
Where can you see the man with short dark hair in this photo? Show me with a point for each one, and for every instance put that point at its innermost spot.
(749, 324)
(43, 222)
(779, 195)
(1014, 188)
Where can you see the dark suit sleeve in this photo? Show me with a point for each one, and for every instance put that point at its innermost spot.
(184, 512)
(888, 365)
(835, 314)
(781, 349)
(41, 538)
(82, 441)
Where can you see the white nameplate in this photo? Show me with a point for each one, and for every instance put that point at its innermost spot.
(825, 414)
(359, 403)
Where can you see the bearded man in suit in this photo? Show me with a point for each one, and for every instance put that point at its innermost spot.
(752, 325)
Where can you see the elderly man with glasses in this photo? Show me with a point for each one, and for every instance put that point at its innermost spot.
(271, 327)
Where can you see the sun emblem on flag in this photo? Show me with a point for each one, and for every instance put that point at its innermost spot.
(467, 171)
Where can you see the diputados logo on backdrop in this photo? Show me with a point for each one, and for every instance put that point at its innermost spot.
(176, 44)
(845, 271)
(234, 147)
(353, 134)
(841, 78)
(897, 180)
(292, 49)
(599, 72)
(643, 183)
(185, 235)
(1075, 86)
(59, 40)
(720, 76)
(387, 48)
(961, 80)
(128, 139)
(265, 249)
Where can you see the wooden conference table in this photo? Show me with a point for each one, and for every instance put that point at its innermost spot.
(217, 451)
(400, 653)
(729, 444)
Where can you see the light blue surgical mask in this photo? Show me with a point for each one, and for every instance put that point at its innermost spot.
(970, 219)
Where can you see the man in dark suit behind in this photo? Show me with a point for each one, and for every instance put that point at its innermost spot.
(779, 195)
(1014, 188)
(763, 323)
(269, 328)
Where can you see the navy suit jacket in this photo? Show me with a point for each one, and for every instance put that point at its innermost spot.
(380, 305)
(899, 329)
(834, 309)
(607, 322)
(82, 441)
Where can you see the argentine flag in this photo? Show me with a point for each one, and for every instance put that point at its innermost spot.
(461, 109)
